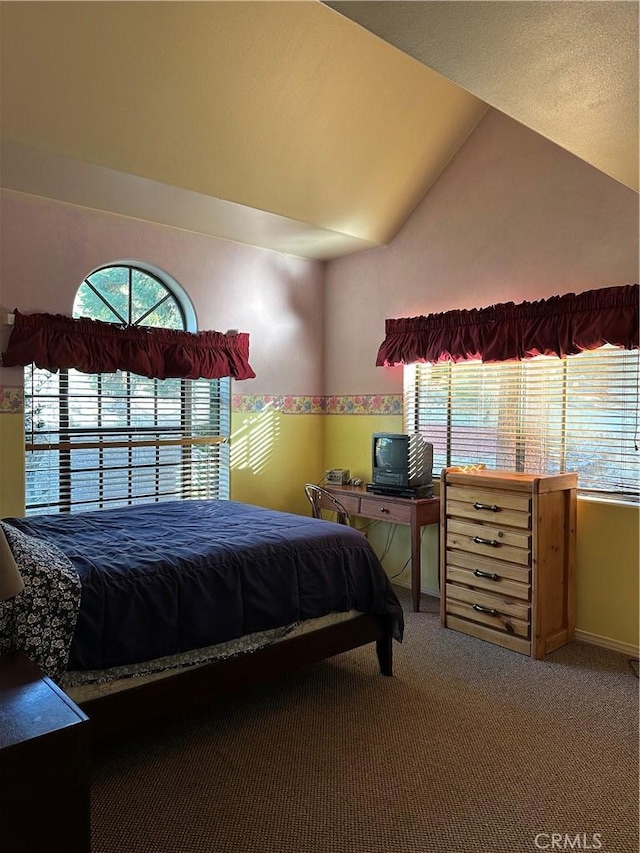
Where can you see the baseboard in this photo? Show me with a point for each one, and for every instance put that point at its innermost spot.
(434, 593)
(606, 643)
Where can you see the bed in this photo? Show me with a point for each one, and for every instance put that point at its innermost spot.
(142, 611)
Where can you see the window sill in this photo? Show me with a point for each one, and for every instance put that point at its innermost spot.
(598, 499)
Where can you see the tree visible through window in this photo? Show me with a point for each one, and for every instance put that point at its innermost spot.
(111, 439)
(542, 415)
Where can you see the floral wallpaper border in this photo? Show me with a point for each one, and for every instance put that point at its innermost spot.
(360, 404)
(11, 401)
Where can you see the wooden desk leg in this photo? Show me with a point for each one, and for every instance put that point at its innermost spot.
(416, 575)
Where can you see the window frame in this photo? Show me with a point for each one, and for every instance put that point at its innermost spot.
(192, 394)
(554, 447)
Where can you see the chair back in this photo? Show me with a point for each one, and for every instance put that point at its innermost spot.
(320, 499)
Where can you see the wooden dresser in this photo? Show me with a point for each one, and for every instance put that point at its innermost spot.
(507, 557)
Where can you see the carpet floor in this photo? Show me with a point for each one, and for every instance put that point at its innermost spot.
(469, 747)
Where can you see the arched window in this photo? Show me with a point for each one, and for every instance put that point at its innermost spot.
(130, 296)
(95, 441)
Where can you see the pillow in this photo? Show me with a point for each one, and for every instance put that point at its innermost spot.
(41, 619)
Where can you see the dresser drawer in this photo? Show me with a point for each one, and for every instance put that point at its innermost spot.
(491, 635)
(487, 540)
(350, 502)
(490, 500)
(500, 622)
(385, 511)
(490, 581)
(474, 562)
(487, 604)
(507, 510)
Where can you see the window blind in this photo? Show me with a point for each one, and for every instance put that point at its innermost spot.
(95, 441)
(542, 415)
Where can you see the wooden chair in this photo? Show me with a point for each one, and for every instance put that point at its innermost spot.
(322, 500)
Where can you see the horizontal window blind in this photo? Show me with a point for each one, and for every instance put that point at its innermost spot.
(542, 415)
(107, 440)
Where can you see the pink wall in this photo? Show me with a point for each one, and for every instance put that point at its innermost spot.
(513, 217)
(48, 247)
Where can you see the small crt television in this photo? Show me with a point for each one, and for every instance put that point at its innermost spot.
(400, 463)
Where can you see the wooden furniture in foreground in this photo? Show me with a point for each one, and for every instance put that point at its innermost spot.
(192, 687)
(44, 763)
(508, 556)
(416, 512)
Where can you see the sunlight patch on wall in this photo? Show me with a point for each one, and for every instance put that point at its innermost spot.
(252, 444)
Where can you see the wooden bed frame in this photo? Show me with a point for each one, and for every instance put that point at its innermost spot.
(190, 688)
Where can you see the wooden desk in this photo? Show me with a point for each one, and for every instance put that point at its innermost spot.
(416, 512)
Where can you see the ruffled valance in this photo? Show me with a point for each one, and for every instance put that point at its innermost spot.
(561, 325)
(54, 342)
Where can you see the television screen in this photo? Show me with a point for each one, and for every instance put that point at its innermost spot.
(390, 452)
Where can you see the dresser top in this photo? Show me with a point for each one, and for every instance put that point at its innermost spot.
(537, 483)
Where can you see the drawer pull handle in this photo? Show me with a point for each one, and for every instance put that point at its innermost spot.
(489, 610)
(492, 576)
(383, 509)
(490, 507)
(480, 541)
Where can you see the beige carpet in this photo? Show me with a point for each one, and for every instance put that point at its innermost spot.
(468, 748)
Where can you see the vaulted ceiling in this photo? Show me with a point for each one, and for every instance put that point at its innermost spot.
(287, 124)
(568, 70)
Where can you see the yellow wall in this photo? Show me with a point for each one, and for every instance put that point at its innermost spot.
(607, 540)
(11, 464)
(348, 440)
(273, 455)
(607, 570)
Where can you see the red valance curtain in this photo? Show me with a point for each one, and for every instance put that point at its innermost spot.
(561, 325)
(53, 341)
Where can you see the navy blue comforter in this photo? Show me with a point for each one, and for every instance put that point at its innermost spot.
(165, 578)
